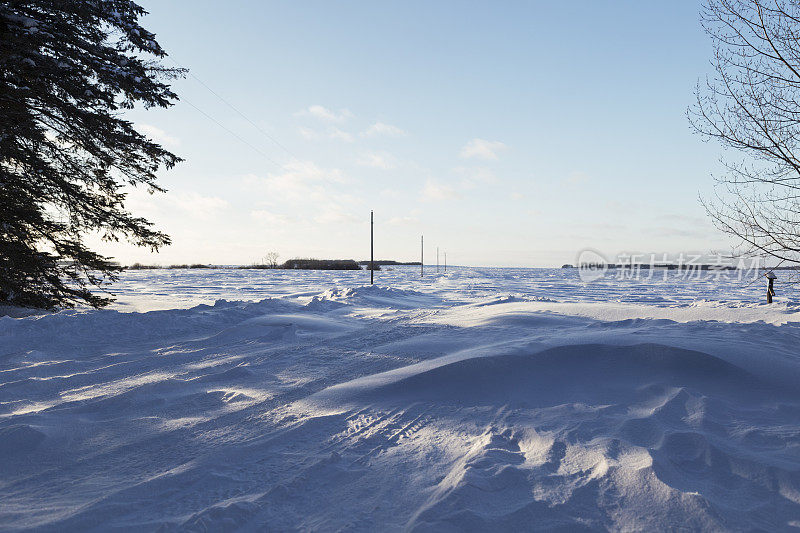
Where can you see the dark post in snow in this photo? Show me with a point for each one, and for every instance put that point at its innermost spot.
(445, 261)
(422, 255)
(771, 277)
(371, 248)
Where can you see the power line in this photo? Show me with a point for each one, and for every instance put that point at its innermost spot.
(218, 123)
(256, 126)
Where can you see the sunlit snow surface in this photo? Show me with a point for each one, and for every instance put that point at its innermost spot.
(479, 399)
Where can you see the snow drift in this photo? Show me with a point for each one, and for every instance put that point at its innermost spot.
(430, 406)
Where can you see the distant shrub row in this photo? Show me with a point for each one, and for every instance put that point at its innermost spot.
(388, 262)
(291, 264)
(313, 264)
(139, 266)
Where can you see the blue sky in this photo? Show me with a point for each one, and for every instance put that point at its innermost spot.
(510, 134)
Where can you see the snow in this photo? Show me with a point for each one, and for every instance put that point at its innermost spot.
(479, 399)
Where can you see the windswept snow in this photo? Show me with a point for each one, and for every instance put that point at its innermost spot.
(480, 399)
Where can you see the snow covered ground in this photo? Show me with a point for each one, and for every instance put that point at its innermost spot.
(480, 399)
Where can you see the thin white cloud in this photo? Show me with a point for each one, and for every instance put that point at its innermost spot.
(335, 215)
(336, 133)
(482, 149)
(402, 221)
(675, 218)
(196, 203)
(190, 204)
(473, 177)
(376, 160)
(273, 219)
(381, 128)
(332, 133)
(687, 233)
(158, 135)
(434, 192)
(325, 114)
(308, 133)
(296, 180)
(308, 191)
(576, 179)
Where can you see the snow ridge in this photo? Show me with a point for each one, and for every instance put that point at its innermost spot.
(437, 409)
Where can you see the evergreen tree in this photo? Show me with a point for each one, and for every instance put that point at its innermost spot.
(68, 70)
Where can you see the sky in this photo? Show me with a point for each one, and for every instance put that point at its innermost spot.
(508, 133)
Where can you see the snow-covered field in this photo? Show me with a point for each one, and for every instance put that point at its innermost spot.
(480, 399)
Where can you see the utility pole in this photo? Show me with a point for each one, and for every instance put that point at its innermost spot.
(422, 255)
(371, 247)
(445, 261)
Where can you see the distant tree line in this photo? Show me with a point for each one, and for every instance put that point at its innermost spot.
(389, 262)
(310, 264)
(140, 266)
(291, 264)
